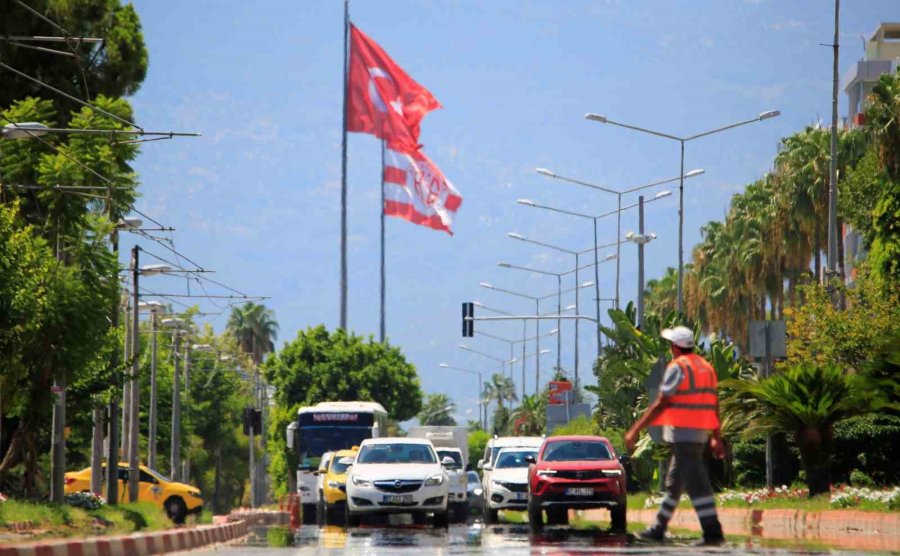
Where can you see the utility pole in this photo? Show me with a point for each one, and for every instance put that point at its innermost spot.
(832, 176)
(112, 415)
(134, 432)
(58, 438)
(126, 386)
(186, 461)
(175, 451)
(154, 392)
(640, 246)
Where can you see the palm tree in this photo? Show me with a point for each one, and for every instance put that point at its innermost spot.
(883, 122)
(436, 410)
(500, 389)
(805, 402)
(530, 416)
(255, 329)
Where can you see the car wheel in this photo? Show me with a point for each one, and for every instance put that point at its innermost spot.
(618, 518)
(176, 510)
(308, 514)
(489, 515)
(441, 520)
(320, 511)
(535, 515)
(351, 519)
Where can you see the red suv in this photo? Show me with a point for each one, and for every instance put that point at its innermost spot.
(575, 472)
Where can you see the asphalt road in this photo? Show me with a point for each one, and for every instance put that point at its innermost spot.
(474, 538)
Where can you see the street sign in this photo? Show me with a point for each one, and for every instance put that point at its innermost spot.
(771, 332)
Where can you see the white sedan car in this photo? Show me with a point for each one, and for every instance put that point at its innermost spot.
(508, 485)
(397, 475)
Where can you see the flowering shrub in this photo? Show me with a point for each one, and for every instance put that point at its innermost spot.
(86, 500)
(847, 497)
(2, 497)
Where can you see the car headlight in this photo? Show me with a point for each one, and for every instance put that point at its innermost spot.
(612, 472)
(545, 472)
(434, 480)
(478, 492)
(335, 484)
(360, 482)
(195, 493)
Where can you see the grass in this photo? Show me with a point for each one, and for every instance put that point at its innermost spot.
(60, 520)
(817, 504)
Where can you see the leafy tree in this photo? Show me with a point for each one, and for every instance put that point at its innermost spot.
(337, 366)
(437, 410)
(805, 401)
(529, 418)
(114, 68)
(255, 329)
(478, 440)
(500, 421)
(500, 389)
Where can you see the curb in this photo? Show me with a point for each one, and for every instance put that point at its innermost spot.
(852, 529)
(160, 542)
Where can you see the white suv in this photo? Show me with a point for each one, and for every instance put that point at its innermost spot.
(493, 447)
(397, 475)
(507, 488)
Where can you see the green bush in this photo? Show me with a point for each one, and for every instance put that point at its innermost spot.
(478, 439)
(860, 479)
(867, 444)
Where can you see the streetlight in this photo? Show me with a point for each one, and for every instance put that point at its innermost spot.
(155, 308)
(594, 219)
(481, 407)
(640, 239)
(618, 194)
(487, 355)
(26, 130)
(179, 326)
(537, 328)
(682, 140)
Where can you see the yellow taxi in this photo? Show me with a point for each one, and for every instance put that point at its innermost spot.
(333, 495)
(177, 499)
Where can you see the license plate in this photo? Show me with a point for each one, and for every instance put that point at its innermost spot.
(397, 499)
(521, 496)
(580, 491)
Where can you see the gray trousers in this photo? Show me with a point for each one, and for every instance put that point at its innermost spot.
(687, 471)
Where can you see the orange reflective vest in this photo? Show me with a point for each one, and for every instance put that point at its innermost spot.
(693, 405)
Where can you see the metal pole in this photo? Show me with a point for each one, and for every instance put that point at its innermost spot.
(112, 415)
(767, 371)
(577, 312)
(175, 453)
(832, 177)
(524, 342)
(640, 246)
(343, 316)
(383, 290)
(596, 287)
(185, 463)
(58, 438)
(537, 347)
(252, 467)
(482, 413)
(558, 323)
(154, 393)
(133, 435)
(681, 231)
(126, 385)
(618, 246)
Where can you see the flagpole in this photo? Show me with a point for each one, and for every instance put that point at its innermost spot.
(343, 318)
(383, 287)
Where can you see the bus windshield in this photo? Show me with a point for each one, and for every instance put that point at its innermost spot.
(316, 440)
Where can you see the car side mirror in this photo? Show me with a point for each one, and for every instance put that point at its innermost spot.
(348, 461)
(448, 461)
(530, 459)
(481, 464)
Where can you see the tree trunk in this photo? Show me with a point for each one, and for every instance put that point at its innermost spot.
(841, 266)
(216, 481)
(815, 455)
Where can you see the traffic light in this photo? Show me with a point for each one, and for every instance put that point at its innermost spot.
(468, 324)
(252, 420)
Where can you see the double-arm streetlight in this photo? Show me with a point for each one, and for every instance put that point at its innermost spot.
(537, 324)
(500, 360)
(596, 265)
(682, 140)
(618, 212)
(481, 407)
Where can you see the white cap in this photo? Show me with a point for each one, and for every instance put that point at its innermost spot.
(681, 336)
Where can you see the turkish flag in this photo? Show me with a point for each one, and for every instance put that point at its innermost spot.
(416, 190)
(381, 98)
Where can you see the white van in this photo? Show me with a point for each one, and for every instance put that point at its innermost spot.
(486, 464)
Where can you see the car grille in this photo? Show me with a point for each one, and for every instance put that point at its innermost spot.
(398, 486)
(580, 475)
(515, 487)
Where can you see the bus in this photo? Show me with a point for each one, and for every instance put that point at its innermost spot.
(328, 427)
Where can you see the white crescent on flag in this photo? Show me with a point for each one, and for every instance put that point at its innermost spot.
(416, 190)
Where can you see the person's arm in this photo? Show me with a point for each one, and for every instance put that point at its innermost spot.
(652, 413)
(716, 444)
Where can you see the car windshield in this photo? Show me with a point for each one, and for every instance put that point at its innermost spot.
(157, 474)
(508, 459)
(455, 456)
(338, 467)
(396, 453)
(474, 479)
(576, 450)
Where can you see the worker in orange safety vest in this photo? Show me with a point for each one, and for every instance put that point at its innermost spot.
(687, 409)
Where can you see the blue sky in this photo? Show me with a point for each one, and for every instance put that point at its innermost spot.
(257, 197)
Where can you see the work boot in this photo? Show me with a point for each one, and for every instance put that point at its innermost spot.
(709, 541)
(653, 534)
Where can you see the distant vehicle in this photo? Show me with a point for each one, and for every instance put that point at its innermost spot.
(177, 499)
(508, 487)
(332, 494)
(397, 475)
(575, 472)
(486, 464)
(452, 442)
(328, 427)
(475, 491)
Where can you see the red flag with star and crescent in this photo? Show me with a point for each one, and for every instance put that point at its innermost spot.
(382, 99)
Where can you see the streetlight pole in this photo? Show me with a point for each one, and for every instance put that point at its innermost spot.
(682, 140)
(154, 307)
(134, 402)
(640, 239)
(482, 413)
(537, 330)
